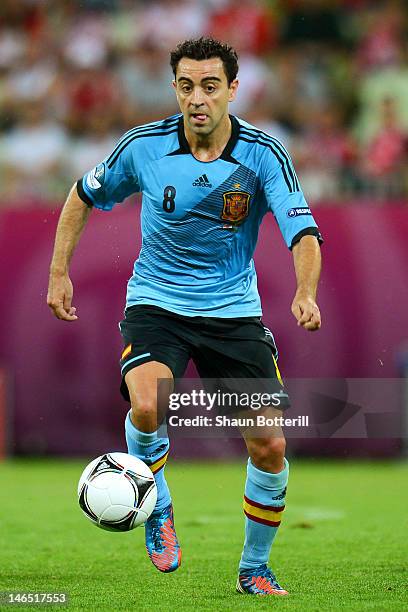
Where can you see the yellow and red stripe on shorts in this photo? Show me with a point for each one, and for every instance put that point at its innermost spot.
(126, 351)
(159, 463)
(278, 374)
(260, 513)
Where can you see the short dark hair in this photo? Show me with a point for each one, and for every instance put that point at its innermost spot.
(205, 48)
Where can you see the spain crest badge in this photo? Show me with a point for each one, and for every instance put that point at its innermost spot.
(236, 206)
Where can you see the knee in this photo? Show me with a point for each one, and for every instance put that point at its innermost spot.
(144, 412)
(267, 453)
(145, 407)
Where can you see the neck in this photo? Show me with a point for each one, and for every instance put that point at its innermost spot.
(208, 147)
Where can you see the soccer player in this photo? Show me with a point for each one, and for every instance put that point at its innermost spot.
(207, 179)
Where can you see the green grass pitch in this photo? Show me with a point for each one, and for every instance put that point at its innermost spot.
(342, 545)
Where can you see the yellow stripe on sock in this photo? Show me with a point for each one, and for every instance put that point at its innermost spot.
(156, 466)
(267, 515)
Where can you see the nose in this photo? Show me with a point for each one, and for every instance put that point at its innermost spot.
(196, 97)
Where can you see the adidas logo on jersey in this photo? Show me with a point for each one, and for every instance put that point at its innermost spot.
(202, 181)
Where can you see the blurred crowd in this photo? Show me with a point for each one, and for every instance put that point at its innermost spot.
(327, 77)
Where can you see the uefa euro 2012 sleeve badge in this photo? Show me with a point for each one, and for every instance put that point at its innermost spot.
(236, 206)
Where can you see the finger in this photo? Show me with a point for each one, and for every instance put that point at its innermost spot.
(310, 315)
(313, 325)
(60, 312)
(67, 303)
(296, 311)
(307, 315)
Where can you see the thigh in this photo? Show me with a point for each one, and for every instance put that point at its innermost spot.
(148, 387)
(151, 335)
(237, 348)
(243, 350)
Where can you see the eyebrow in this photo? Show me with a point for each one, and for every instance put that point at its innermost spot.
(209, 78)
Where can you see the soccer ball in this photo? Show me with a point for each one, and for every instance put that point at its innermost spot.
(117, 492)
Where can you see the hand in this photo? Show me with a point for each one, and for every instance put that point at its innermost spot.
(306, 312)
(59, 298)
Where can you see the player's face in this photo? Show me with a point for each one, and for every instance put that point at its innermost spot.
(203, 93)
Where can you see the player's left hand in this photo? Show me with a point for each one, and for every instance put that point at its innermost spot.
(306, 312)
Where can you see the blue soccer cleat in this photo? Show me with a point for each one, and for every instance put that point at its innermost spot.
(259, 581)
(161, 541)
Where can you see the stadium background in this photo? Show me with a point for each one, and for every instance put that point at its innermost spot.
(330, 79)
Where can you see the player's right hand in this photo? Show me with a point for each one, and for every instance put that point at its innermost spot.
(59, 297)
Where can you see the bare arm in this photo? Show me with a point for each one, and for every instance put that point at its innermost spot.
(307, 262)
(72, 221)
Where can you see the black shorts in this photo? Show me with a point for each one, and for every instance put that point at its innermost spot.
(239, 348)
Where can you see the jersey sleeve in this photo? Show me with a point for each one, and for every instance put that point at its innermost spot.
(113, 180)
(285, 198)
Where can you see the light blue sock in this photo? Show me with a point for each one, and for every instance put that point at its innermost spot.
(153, 450)
(264, 502)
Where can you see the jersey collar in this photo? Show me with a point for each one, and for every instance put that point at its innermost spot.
(226, 155)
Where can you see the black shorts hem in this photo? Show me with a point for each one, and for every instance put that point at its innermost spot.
(134, 364)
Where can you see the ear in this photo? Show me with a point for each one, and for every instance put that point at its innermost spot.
(174, 84)
(233, 90)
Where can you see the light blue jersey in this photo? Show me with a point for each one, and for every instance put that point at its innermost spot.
(200, 220)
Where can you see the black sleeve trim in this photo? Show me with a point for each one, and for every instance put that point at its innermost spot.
(308, 231)
(86, 199)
